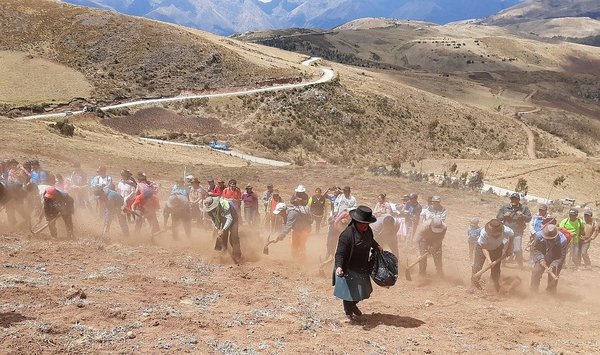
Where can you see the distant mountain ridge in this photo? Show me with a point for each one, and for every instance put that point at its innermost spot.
(231, 16)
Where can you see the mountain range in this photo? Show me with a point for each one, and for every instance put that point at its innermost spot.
(230, 16)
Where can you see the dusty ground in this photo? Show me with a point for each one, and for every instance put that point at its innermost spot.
(183, 297)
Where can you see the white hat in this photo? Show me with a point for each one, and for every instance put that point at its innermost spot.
(279, 207)
(189, 177)
(300, 188)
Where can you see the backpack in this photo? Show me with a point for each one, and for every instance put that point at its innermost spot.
(566, 233)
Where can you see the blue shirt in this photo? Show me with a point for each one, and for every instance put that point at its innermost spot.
(38, 177)
(473, 233)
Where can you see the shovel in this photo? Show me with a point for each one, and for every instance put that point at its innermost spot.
(34, 232)
(475, 278)
(408, 267)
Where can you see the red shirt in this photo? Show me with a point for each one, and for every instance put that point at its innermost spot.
(233, 194)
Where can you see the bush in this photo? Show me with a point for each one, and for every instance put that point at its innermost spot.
(64, 127)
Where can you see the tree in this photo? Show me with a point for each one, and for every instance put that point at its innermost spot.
(476, 180)
(522, 186)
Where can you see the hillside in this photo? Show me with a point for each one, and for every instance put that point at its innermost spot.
(555, 82)
(120, 57)
(233, 16)
(547, 18)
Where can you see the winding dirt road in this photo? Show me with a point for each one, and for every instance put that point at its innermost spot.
(328, 75)
(528, 131)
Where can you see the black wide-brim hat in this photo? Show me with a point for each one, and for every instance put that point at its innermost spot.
(363, 214)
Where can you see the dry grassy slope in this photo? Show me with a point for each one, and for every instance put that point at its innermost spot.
(94, 144)
(486, 67)
(364, 118)
(125, 57)
(53, 82)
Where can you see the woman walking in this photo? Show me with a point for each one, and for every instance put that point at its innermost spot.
(351, 278)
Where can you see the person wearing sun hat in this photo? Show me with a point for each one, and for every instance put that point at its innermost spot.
(351, 276)
(300, 196)
(225, 219)
(549, 250)
(495, 240)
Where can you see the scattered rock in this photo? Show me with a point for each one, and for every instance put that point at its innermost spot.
(156, 323)
(130, 335)
(428, 303)
(74, 292)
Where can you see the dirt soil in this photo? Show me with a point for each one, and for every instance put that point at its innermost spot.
(181, 296)
(159, 119)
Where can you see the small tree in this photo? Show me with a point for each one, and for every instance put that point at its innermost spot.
(522, 186)
(476, 181)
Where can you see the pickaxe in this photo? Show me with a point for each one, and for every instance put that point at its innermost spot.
(408, 267)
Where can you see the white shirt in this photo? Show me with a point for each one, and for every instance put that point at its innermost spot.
(489, 243)
(343, 203)
(125, 189)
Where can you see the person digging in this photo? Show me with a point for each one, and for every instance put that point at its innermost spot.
(296, 219)
(494, 244)
(225, 219)
(549, 252)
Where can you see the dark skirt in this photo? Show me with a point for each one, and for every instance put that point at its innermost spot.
(354, 286)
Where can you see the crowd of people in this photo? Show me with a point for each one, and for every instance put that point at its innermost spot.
(30, 192)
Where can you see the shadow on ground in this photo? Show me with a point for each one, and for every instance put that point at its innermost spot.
(393, 320)
(7, 319)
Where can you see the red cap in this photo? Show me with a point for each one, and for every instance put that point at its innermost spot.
(50, 192)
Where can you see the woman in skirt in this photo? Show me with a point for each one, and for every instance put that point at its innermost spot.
(351, 278)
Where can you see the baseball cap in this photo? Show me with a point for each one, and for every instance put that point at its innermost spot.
(50, 192)
(574, 211)
(515, 195)
(543, 207)
(279, 207)
(588, 212)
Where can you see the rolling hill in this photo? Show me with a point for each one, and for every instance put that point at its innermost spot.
(232, 16)
(120, 57)
(515, 74)
(549, 18)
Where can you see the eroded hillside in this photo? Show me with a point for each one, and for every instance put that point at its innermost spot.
(123, 57)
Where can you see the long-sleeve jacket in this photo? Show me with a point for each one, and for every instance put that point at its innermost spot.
(224, 216)
(516, 218)
(61, 203)
(298, 218)
(553, 251)
(353, 249)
